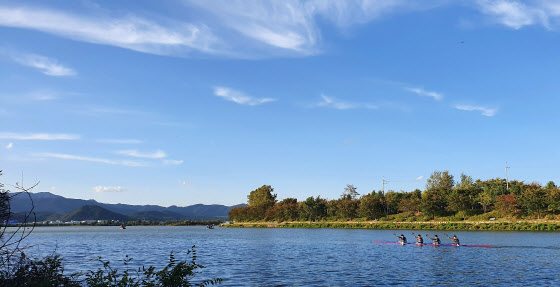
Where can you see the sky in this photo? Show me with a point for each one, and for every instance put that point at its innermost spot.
(187, 102)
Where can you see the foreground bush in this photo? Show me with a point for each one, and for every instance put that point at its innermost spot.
(49, 271)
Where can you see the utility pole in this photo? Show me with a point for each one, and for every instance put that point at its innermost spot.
(507, 182)
(385, 199)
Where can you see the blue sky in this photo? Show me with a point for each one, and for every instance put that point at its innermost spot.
(185, 102)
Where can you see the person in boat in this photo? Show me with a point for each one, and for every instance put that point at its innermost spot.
(401, 238)
(455, 240)
(435, 240)
(419, 239)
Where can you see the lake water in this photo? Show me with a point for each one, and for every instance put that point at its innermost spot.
(315, 257)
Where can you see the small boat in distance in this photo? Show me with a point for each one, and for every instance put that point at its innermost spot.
(211, 226)
(123, 226)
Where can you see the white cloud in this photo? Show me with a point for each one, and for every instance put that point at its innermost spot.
(10, 145)
(130, 32)
(38, 136)
(422, 92)
(516, 14)
(239, 97)
(184, 182)
(47, 66)
(90, 159)
(120, 141)
(292, 26)
(331, 102)
(419, 178)
(135, 153)
(172, 162)
(489, 112)
(108, 189)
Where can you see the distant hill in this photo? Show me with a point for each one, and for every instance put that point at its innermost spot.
(95, 212)
(157, 216)
(48, 204)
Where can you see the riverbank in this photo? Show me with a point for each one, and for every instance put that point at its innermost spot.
(534, 225)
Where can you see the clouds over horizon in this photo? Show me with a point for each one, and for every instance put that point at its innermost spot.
(90, 159)
(108, 189)
(149, 155)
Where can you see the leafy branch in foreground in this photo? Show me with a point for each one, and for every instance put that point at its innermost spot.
(176, 273)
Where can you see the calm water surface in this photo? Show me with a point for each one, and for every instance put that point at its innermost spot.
(320, 257)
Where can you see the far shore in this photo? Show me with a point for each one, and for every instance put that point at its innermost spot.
(504, 225)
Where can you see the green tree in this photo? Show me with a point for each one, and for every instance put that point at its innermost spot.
(485, 199)
(459, 201)
(465, 181)
(441, 180)
(313, 208)
(433, 202)
(371, 206)
(533, 199)
(262, 199)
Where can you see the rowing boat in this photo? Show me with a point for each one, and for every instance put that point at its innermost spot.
(461, 245)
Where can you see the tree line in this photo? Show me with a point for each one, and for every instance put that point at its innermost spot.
(443, 196)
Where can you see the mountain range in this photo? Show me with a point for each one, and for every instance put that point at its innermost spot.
(50, 206)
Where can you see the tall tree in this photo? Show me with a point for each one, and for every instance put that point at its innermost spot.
(441, 180)
(350, 192)
(465, 181)
(262, 199)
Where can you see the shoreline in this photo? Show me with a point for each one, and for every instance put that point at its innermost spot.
(553, 226)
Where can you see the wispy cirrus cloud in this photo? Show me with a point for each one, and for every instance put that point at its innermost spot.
(9, 146)
(422, 92)
(330, 102)
(419, 178)
(108, 189)
(292, 26)
(172, 162)
(485, 111)
(134, 33)
(517, 14)
(119, 141)
(90, 159)
(38, 136)
(47, 66)
(238, 97)
(149, 155)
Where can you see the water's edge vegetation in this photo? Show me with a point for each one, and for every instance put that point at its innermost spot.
(487, 225)
(444, 204)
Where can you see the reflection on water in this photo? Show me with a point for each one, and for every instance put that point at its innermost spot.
(321, 257)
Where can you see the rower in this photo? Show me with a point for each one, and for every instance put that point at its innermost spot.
(435, 240)
(454, 239)
(419, 239)
(402, 239)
